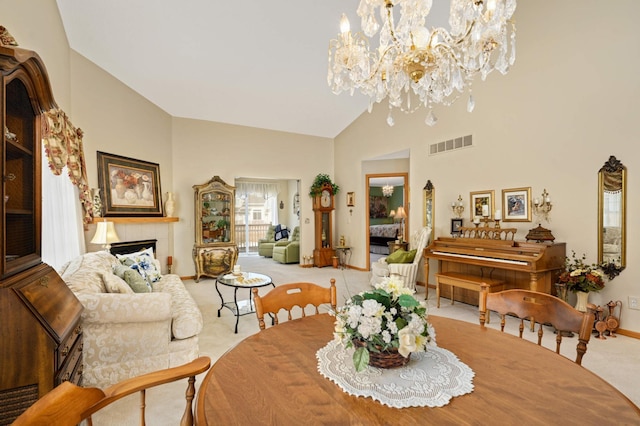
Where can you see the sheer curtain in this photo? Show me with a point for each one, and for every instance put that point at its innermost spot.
(62, 229)
(268, 190)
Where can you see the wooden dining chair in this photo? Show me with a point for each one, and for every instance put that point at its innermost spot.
(541, 309)
(287, 296)
(68, 404)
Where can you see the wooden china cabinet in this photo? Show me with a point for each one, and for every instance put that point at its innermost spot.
(40, 334)
(215, 251)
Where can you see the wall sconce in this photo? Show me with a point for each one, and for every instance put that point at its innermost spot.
(542, 206)
(105, 235)
(457, 207)
(281, 204)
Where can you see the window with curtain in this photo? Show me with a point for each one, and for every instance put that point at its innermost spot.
(66, 199)
(62, 229)
(256, 208)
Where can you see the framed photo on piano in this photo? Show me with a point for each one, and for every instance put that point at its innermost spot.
(456, 224)
(482, 204)
(516, 204)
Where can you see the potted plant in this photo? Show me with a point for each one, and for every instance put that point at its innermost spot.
(319, 182)
(385, 325)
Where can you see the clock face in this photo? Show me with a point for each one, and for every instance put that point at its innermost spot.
(325, 199)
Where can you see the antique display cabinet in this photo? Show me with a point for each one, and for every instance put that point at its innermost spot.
(215, 251)
(40, 334)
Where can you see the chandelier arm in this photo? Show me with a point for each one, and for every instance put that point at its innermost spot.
(459, 64)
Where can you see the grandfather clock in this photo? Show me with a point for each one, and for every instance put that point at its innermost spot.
(323, 205)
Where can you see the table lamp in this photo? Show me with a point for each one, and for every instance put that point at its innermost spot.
(401, 215)
(105, 235)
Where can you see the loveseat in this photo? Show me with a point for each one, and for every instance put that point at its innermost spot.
(274, 234)
(125, 333)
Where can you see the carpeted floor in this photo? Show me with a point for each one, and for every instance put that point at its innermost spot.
(615, 360)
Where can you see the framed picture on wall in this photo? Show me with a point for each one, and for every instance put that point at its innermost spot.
(378, 206)
(482, 204)
(351, 199)
(516, 204)
(129, 187)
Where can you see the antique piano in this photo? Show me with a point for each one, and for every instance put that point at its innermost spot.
(527, 265)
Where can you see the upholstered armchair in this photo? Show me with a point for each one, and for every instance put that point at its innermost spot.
(407, 272)
(265, 245)
(288, 251)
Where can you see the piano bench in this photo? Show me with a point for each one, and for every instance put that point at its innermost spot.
(468, 282)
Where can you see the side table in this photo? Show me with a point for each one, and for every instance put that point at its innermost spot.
(344, 255)
(246, 280)
(396, 245)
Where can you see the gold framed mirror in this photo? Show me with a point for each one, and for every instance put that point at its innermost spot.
(428, 202)
(612, 235)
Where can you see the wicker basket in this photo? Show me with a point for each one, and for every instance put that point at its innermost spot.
(389, 358)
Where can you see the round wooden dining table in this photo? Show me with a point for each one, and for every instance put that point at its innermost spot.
(272, 378)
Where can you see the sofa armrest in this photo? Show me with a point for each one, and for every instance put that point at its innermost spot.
(282, 243)
(187, 318)
(115, 308)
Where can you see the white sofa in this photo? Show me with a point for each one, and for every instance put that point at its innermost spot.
(126, 334)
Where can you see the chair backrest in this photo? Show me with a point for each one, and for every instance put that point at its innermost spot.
(419, 241)
(271, 233)
(68, 404)
(295, 235)
(542, 309)
(287, 296)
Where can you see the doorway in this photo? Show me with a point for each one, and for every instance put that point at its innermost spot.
(385, 193)
(261, 203)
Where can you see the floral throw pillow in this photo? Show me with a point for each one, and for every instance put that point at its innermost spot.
(143, 262)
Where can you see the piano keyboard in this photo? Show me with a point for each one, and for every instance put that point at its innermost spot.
(468, 256)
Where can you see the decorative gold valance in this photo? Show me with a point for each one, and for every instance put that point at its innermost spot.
(63, 146)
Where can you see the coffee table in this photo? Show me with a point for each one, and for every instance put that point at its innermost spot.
(246, 280)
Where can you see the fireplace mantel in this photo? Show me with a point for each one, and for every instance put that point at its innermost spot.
(136, 219)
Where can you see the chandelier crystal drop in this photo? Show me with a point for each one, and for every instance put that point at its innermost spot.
(414, 66)
(387, 190)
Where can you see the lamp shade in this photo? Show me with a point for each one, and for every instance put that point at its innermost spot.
(400, 214)
(105, 234)
(392, 213)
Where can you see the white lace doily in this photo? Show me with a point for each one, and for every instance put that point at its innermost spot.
(430, 379)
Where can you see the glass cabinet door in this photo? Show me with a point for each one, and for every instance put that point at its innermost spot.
(214, 212)
(20, 187)
(216, 217)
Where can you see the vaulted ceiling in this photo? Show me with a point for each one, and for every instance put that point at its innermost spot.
(247, 62)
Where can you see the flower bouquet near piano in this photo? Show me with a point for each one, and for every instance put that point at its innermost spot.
(578, 276)
(385, 325)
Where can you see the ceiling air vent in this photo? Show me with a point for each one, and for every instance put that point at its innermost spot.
(451, 144)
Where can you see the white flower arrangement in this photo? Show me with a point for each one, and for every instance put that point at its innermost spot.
(386, 318)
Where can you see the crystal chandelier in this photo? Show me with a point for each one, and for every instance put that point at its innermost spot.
(387, 190)
(414, 66)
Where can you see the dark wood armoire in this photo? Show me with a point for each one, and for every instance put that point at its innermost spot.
(40, 333)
